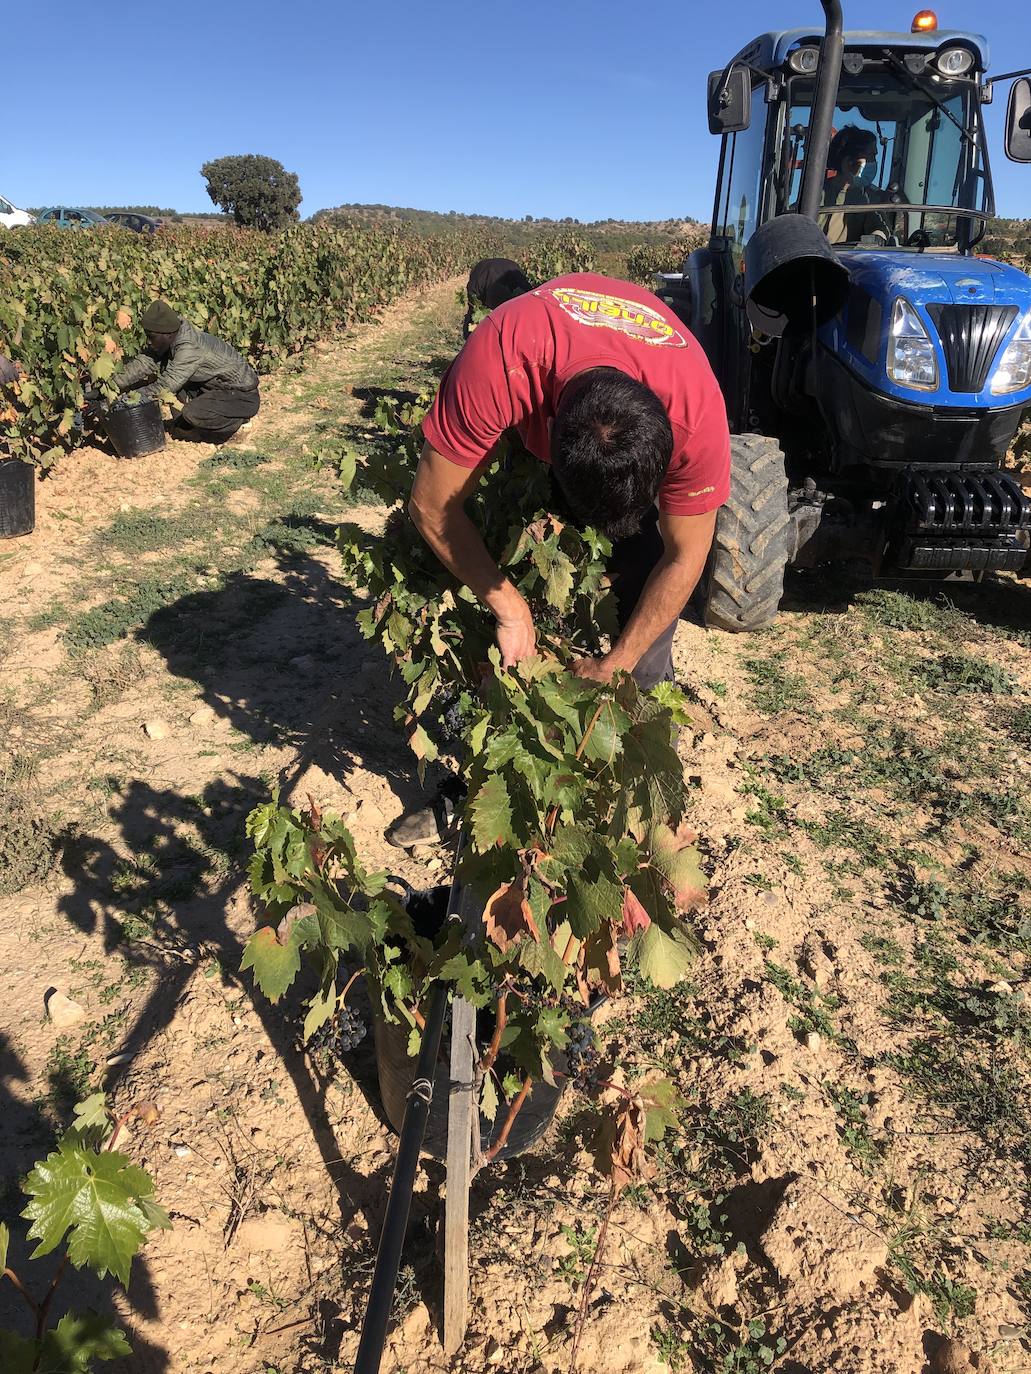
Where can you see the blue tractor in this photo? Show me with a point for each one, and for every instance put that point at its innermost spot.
(876, 369)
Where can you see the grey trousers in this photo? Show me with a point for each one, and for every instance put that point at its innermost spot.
(213, 416)
(630, 565)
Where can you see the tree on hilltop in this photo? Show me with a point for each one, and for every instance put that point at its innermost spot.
(257, 191)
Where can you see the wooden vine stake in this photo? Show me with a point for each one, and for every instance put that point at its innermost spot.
(463, 1144)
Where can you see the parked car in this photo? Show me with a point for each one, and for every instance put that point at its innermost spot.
(65, 217)
(11, 217)
(140, 224)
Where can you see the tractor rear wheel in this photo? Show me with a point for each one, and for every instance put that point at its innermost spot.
(744, 580)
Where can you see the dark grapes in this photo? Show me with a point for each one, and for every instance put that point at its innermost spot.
(453, 714)
(582, 1056)
(343, 1033)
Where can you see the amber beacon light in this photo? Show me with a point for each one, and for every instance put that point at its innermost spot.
(925, 22)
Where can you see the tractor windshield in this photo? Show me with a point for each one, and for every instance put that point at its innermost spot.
(906, 156)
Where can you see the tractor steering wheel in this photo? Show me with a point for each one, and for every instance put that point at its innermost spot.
(919, 238)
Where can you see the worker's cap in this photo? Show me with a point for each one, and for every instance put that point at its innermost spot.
(160, 318)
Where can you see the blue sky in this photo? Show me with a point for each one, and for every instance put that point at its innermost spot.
(586, 108)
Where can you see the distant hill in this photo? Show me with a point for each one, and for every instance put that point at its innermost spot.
(608, 235)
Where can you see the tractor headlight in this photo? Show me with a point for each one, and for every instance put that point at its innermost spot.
(1013, 372)
(804, 61)
(954, 61)
(911, 356)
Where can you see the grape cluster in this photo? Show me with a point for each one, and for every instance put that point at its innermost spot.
(452, 715)
(343, 1033)
(582, 1054)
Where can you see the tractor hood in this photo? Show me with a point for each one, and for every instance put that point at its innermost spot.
(971, 309)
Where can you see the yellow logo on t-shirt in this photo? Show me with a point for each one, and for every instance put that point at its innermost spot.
(632, 318)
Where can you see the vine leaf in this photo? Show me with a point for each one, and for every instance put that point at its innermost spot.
(347, 466)
(635, 917)
(590, 904)
(508, 916)
(275, 966)
(678, 860)
(601, 960)
(619, 1147)
(95, 1198)
(5, 1240)
(17, 1355)
(491, 813)
(295, 914)
(488, 1097)
(665, 959)
(77, 1340)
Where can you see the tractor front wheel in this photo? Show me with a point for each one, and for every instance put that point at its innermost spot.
(744, 580)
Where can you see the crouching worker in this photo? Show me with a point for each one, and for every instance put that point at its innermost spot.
(218, 387)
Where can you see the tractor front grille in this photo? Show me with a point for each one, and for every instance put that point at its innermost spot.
(951, 521)
(986, 503)
(971, 335)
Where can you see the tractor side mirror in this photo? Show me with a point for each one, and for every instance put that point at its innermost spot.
(730, 101)
(1018, 122)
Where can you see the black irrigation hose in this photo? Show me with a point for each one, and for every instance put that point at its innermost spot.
(395, 1223)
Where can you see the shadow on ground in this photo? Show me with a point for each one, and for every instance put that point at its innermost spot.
(282, 661)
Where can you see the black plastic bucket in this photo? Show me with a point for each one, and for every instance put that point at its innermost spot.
(17, 498)
(397, 1071)
(135, 430)
(396, 1068)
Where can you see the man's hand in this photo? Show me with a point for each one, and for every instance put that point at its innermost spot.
(593, 669)
(517, 639)
(437, 508)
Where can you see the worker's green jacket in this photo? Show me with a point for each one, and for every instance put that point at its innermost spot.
(196, 362)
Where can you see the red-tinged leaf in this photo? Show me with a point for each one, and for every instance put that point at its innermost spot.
(635, 917)
(314, 813)
(508, 917)
(679, 861)
(600, 960)
(295, 914)
(123, 319)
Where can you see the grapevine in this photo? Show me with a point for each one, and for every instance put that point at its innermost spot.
(70, 303)
(575, 796)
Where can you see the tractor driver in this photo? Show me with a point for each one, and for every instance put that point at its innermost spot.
(603, 382)
(852, 150)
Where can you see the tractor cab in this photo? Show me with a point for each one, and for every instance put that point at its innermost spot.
(875, 369)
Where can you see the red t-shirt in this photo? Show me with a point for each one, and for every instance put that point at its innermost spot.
(514, 365)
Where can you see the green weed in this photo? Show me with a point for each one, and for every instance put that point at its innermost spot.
(575, 1265)
(119, 617)
(774, 689)
(851, 1108)
(899, 611)
(967, 673)
(884, 948)
(712, 1346)
(811, 1007)
(142, 531)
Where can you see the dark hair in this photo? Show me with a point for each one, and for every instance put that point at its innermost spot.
(848, 142)
(611, 442)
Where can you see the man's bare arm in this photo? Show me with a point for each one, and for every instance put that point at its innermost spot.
(687, 540)
(437, 508)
